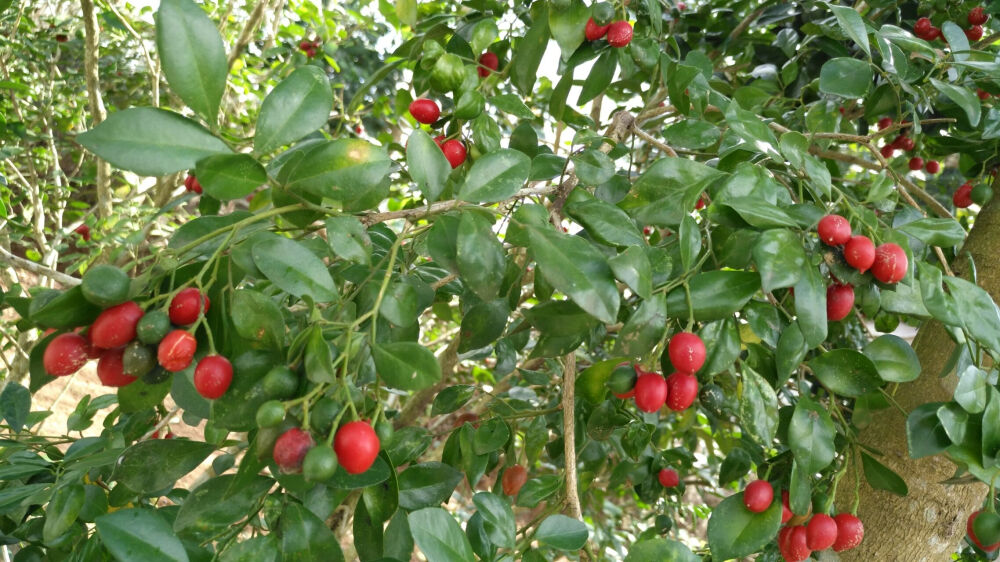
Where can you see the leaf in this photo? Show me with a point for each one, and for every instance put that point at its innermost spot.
(845, 77)
(257, 549)
(210, 508)
(305, 538)
(348, 239)
(235, 409)
(151, 142)
(991, 429)
(427, 484)
(140, 396)
(439, 537)
(406, 365)
(758, 407)
(562, 532)
(593, 167)
(578, 270)
(972, 390)
(780, 259)
(294, 269)
(257, 318)
(790, 352)
(810, 435)
(963, 98)
(15, 405)
(566, 24)
(173, 458)
(344, 170)
(810, 306)
(760, 213)
(690, 242)
(633, 268)
(644, 329)
(714, 295)
(297, 106)
(512, 104)
(68, 310)
(495, 176)
(498, 518)
(480, 256)
(882, 477)
(660, 550)
(528, 52)
(936, 232)
(846, 372)
(924, 432)
(427, 164)
(894, 358)
(852, 24)
(492, 435)
(62, 510)
(140, 534)
(604, 222)
(538, 489)
(734, 531)
(230, 176)
(192, 55)
(972, 302)
(452, 398)
(600, 77)
(319, 358)
(692, 134)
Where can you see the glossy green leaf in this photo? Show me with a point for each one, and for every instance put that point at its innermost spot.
(660, 550)
(537, 489)
(305, 538)
(427, 164)
(319, 358)
(490, 436)
(577, 269)
(714, 295)
(692, 134)
(603, 221)
(439, 537)
(140, 534)
(924, 432)
(15, 405)
(495, 176)
(498, 518)
(810, 306)
(758, 407)
(512, 104)
(846, 372)
(600, 77)
(528, 52)
(344, 170)
(963, 98)
(427, 485)
(735, 532)
(780, 259)
(173, 458)
(882, 477)
(451, 399)
(632, 267)
(297, 106)
(294, 269)
(479, 255)
(937, 232)
(790, 352)
(562, 532)
(845, 77)
(593, 167)
(348, 239)
(760, 213)
(644, 329)
(62, 510)
(210, 508)
(853, 25)
(406, 365)
(810, 435)
(257, 549)
(972, 390)
(894, 358)
(230, 176)
(566, 23)
(192, 55)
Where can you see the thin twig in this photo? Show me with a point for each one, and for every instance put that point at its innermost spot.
(38, 268)
(248, 30)
(569, 435)
(651, 140)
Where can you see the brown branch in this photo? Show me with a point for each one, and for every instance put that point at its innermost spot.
(38, 269)
(569, 436)
(986, 40)
(248, 30)
(97, 113)
(651, 140)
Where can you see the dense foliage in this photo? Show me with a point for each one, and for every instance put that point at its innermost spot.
(424, 299)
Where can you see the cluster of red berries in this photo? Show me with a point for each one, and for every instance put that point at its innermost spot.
(966, 194)
(905, 143)
(356, 445)
(927, 31)
(678, 391)
(427, 112)
(618, 33)
(310, 48)
(191, 184)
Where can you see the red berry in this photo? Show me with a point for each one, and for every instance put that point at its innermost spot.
(922, 28)
(834, 230)
(593, 32)
(513, 479)
(84, 232)
(905, 143)
(303, 45)
(974, 33)
(962, 198)
(884, 123)
(669, 478)
(115, 326)
(792, 542)
(488, 62)
(758, 496)
(981, 93)
(191, 184)
(681, 6)
(290, 449)
(93, 352)
(932, 167)
(859, 252)
(850, 532)
(887, 151)
(454, 151)
(687, 352)
(212, 376)
(650, 392)
(65, 355)
(934, 33)
(440, 140)
(821, 532)
(786, 512)
(619, 34)
(682, 389)
(916, 163)
(110, 370)
(890, 263)
(839, 301)
(356, 446)
(176, 350)
(425, 111)
(977, 17)
(972, 535)
(187, 305)
(700, 204)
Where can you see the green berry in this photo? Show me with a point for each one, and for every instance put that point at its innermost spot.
(320, 463)
(138, 359)
(105, 285)
(280, 383)
(270, 414)
(153, 327)
(981, 194)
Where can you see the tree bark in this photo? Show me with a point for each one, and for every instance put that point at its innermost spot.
(97, 112)
(928, 524)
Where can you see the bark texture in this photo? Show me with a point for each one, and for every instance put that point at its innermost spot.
(929, 524)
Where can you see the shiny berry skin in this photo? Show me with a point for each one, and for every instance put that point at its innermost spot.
(977, 17)
(859, 252)
(454, 151)
(115, 326)
(84, 232)
(619, 34)
(972, 534)
(850, 532)
(974, 33)
(176, 351)
(682, 389)
(593, 32)
(786, 512)
(212, 376)
(792, 542)
(758, 496)
(916, 163)
(884, 123)
(962, 198)
(439, 140)
(290, 449)
(191, 184)
(488, 63)
(650, 392)
(687, 352)
(932, 167)
(890, 264)
(887, 151)
(906, 143)
(65, 355)
(513, 479)
(357, 446)
(425, 111)
(821, 532)
(668, 478)
(839, 301)
(922, 28)
(934, 33)
(110, 370)
(834, 230)
(187, 305)
(681, 6)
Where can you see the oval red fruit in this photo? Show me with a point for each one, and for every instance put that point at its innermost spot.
(887, 151)
(905, 143)
(187, 305)
(922, 28)
(110, 370)
(932, 167)
(974, 33)
(884, 123)
(792, 542)
(839, 301)
(890, 264)
(916, 163)
(488, 62)
(454, 151)
(669, 478)
(821, 532)
(650, 392)
(619, 33)
(786, 512)
(115, 326)
(593, 32)
(972, 534)
(513, 479)
(962, 198)
(425, 111)
(758, 496)
(65, 355)
(212, 376)
(859, 252)
(176, 350)
(687, 352)
(290, 449)
(356, 446)
(834, 230)
(977, 16)
(682, 389)
(850, 532)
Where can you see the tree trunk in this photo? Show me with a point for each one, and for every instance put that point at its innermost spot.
(928, 524)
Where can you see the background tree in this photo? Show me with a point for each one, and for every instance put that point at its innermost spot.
(421, 298)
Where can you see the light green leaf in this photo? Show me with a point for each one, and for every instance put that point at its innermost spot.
(495, 177)
(297, 106)
(192, 55)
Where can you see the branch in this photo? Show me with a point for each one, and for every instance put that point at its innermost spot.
(38, 268)
(97, 112)
(569, 436)
(248, 30)
(649, 138)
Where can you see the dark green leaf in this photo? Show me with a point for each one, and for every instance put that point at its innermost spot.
(660, 550)
(692, 134)
(344, 170)
(537, 489)
(604, 222)
(512, 104)
(15, 405)
(349, 239)
(427, 484)
(632, 267)
(490, 436)
(192, 55)
(936, 232)
(528, 53)
(846, 372)
(599, 78)
(495, 176)
(780, 259)
(257, 318)
(294, 269)
(62, 510)
(406, 365)
(562, 532)
(845, 77)
(894, 358)
(480, 255)
(498, 518)
(140, 534)
(714, 295)
(305, 538)
(924, 432)
(972, 390)
(451, 399)
(758, 407)
(850, 21)
(566, 23)
(209, 508)
(963, 97)
(644, 329)
(439, 537)
(734, 531)
(173, 458)
(810, 435)
(810, 306)
(575, 268)
(593, 167)
(427, 164)
(230, 176)
(882, 477)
